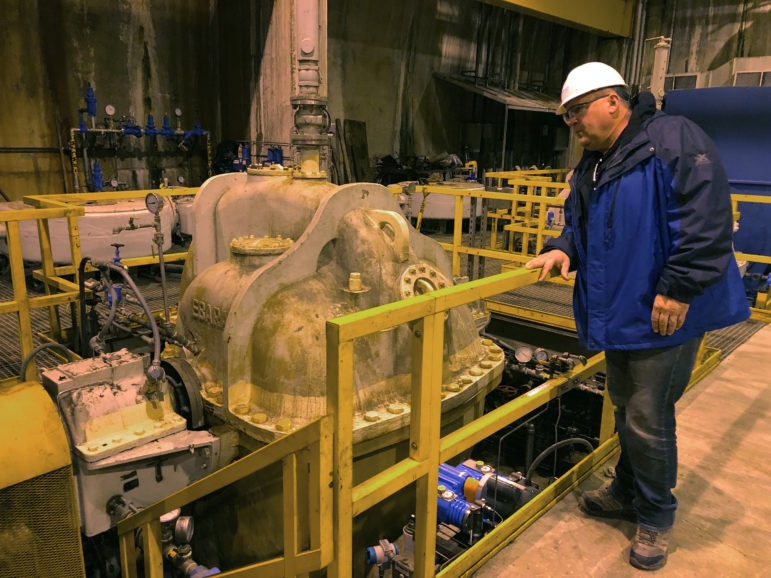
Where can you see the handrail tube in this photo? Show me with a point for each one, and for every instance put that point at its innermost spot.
(365, 322)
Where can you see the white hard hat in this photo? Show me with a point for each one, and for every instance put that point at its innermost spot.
(587, 78)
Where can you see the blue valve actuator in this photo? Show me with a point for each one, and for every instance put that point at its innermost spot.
(166, 129)
(150, 129)
(90, 101)
(132, 129)
(97, 176)
(118, 288)
(82, 123)
(381, 553)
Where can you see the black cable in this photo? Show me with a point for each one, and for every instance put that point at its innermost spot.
(556, 435)
(82, 299)
(545, 453)
(37, 350)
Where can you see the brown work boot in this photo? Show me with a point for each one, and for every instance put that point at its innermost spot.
(649, 547)
(603, 504)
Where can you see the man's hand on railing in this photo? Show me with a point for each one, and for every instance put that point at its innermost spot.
(554, 260)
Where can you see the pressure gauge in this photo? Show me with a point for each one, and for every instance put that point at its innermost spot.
(523, 354)
(114, 183)
(181, 180)
(109, 110)
(154, 203)
(178, 112)
(541, 355)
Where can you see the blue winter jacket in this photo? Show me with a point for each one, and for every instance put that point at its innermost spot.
(659, 221)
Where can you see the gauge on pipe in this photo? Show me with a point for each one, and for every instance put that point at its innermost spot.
(154, 203)
(523, 354)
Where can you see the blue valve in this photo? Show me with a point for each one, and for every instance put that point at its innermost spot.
(97, 176)
(195, 131)
(90, 101)
(381, 554)
(150, 129)
(81, 123)
(132, 129)
(166, 129)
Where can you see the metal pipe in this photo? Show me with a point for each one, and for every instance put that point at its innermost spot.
(660, 65)
(311, 118)
(95, 341)
(530, 445)
(9, 150)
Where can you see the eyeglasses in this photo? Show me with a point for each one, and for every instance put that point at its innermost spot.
(578, 110)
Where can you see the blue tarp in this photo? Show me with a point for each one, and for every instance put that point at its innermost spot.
(738, 119)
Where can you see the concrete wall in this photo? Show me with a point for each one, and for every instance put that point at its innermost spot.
(139, 56)
(707, 34)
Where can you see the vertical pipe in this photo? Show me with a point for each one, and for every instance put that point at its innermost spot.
(529, 449)
(311, 118)
(660, 64)
(505, 131)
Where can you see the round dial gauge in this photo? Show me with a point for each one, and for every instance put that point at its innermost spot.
(109, 109)
(154, 203)
(178, 111)
(114, 183)
(181, 180)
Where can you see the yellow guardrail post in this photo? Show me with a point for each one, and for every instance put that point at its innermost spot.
(457, 235)
(427, 356)
(20, 296)
(340, 409)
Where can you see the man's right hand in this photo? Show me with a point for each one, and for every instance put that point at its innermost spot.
(555, 260)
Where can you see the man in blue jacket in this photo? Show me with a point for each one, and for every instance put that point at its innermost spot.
(648, 229)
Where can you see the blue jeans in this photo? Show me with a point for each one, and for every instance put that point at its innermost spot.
(644, 385)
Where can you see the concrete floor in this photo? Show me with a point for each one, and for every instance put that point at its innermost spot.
(723, 526)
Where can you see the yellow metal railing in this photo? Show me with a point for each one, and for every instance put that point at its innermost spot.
(22, 304)
(53, 275)
(762, 309)
(59, 290)
(526, 213)
(427, 448)
(313, 440)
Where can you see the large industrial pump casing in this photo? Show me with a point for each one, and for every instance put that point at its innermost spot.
(272, 262)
